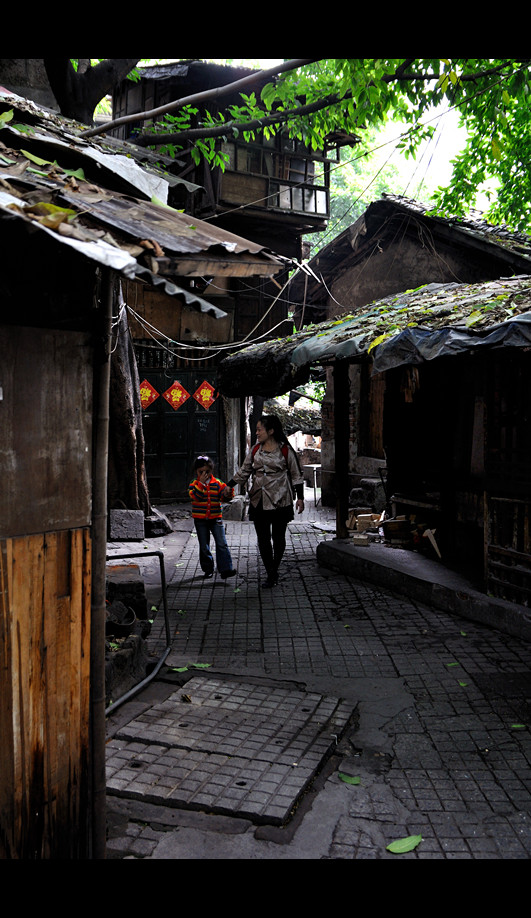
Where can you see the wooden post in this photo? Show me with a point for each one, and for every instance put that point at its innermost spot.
(99, 530)
(341, 444)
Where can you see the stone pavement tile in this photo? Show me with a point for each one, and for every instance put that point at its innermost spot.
(201, 780)
(452, 767)
(229, 747)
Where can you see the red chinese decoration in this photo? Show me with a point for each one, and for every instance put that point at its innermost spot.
(205, 395)
(147, 394)
(176, 395)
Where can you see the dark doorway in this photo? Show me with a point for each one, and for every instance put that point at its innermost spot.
(180, 421)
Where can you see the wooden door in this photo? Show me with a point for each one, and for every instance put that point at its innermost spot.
(180, 422)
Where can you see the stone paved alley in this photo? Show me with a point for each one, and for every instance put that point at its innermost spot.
(245, 744)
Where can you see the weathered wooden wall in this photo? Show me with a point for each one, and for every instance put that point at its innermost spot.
(508, 470)
(44, 688)
(45, 430)
(45, 591)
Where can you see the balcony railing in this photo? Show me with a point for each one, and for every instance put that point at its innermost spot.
(282, 180)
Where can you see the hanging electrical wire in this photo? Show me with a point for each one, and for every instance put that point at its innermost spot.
(216, 350)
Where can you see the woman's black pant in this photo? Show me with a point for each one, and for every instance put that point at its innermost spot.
(270, 527)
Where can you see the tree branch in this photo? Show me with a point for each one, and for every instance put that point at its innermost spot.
(78, 93)
(230, 127)
(105, 75)
(281, 117)
(201, 96)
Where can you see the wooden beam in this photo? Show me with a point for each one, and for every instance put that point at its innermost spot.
(199, 267)
(341, 444)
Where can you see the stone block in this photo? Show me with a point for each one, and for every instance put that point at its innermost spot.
(156, 524)
(373, 490)
(235, 510)
(126, 525)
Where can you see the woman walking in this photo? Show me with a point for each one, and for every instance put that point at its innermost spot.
(206, 493)
(275, 473)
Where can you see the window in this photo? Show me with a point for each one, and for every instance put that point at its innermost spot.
(295, 180)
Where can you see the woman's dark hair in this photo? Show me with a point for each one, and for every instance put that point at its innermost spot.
(203, 460)
(271, 422)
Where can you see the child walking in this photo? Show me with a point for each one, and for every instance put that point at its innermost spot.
(206, 493)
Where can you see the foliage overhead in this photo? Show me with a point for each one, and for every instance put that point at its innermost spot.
(350, 96)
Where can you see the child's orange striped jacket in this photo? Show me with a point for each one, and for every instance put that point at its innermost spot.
(206, 499)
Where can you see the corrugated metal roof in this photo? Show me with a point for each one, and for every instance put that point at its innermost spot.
(94, 196)
(175, 232)
(109, 158)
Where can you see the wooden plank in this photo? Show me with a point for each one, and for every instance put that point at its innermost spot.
(44, 686)
(239, 188)
(52, 689)
(79, 665)
(240, 266)
(56, 639)
(7, 750)
(27, 608)
(45, 430)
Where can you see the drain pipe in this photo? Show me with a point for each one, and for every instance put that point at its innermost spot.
(99, 539)
(136, 688)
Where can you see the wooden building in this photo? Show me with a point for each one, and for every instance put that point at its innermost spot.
(452, 364)
(272, 191)
(77, 224)
(396, 245)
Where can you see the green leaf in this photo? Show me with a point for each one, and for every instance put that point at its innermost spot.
(75, 173)
(51, 215)
(403, 845)
(376, 341)
(497, 149)
(348, 779)
(474, 317)
(518, 727)
(159, 203)
(200, 665)
(36, 159)
(5, 117)
(24, 128)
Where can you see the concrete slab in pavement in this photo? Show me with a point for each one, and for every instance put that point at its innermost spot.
(440, 739)
(230, 747)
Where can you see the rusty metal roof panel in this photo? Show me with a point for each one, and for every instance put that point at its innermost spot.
(40, 148)
(107, 255)
(94, 196)
(174, 231)
(105, 158)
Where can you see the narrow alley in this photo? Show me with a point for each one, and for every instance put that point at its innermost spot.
(325, 719)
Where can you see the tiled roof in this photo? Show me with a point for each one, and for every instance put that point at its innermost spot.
(407, 328)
